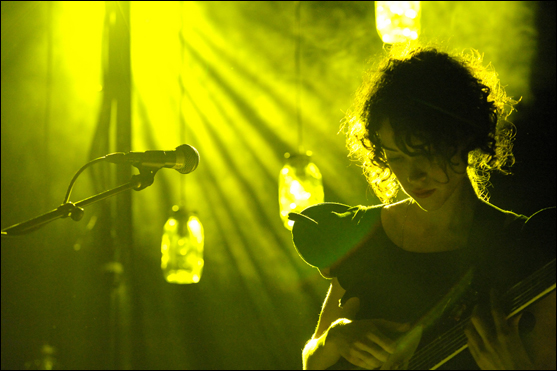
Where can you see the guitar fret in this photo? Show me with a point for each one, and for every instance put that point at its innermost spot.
(454, 341)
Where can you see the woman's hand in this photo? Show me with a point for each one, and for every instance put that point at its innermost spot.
(494, 341)
(363, 343)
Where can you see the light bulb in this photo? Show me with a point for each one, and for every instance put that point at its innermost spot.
(182, 248)
(300, 186)
(397, 21)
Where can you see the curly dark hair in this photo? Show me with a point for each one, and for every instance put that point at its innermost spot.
(446, 102)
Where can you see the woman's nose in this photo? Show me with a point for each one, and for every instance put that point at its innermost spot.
(417, 172)
(416, 176)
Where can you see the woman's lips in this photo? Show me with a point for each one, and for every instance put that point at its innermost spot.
(423, 194)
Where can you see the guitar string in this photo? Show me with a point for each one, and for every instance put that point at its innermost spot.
(452, 337)
(434, 345)
(449, 348)
(549, 267)
(521, 291)
(519, 300)
(423, 356)
(551, 274)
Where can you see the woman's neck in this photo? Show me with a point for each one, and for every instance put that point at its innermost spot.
(454, 216)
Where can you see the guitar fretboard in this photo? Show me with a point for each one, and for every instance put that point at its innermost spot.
(448, 345)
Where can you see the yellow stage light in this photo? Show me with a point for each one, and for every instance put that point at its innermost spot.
(182, 248)
(397, 21)
(300, 186)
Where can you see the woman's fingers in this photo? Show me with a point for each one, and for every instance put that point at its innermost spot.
(374, 350)
(382, 340)
(363, 359)
(363, 342)
(483, 323)
(474, 339)
(502, 326)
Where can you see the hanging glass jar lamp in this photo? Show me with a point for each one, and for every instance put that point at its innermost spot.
(182, 247)
(397, 21)
(300, 181)
(300, 185)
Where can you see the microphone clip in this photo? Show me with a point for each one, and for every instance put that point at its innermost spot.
(145, 178)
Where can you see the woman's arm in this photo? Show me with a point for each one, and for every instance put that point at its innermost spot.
(361, 342)
(318, 354)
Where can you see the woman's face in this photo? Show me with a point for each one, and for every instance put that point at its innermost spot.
(421, 178)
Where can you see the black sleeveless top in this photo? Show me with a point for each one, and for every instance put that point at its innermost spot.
(404, 283)
(400, 285)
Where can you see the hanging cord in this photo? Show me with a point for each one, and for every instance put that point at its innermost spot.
(100, 178)
(297, 33)
(48, 101)
(182, 121)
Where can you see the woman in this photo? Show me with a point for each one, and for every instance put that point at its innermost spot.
(433, 125)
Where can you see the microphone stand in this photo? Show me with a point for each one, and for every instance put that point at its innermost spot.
(138, 182)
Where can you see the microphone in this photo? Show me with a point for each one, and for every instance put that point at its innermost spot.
(184, 158)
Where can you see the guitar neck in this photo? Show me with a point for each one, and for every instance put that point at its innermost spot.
(451, 343)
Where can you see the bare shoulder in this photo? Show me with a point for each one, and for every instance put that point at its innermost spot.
(510, 216)
(394, 213)
(397, 207)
